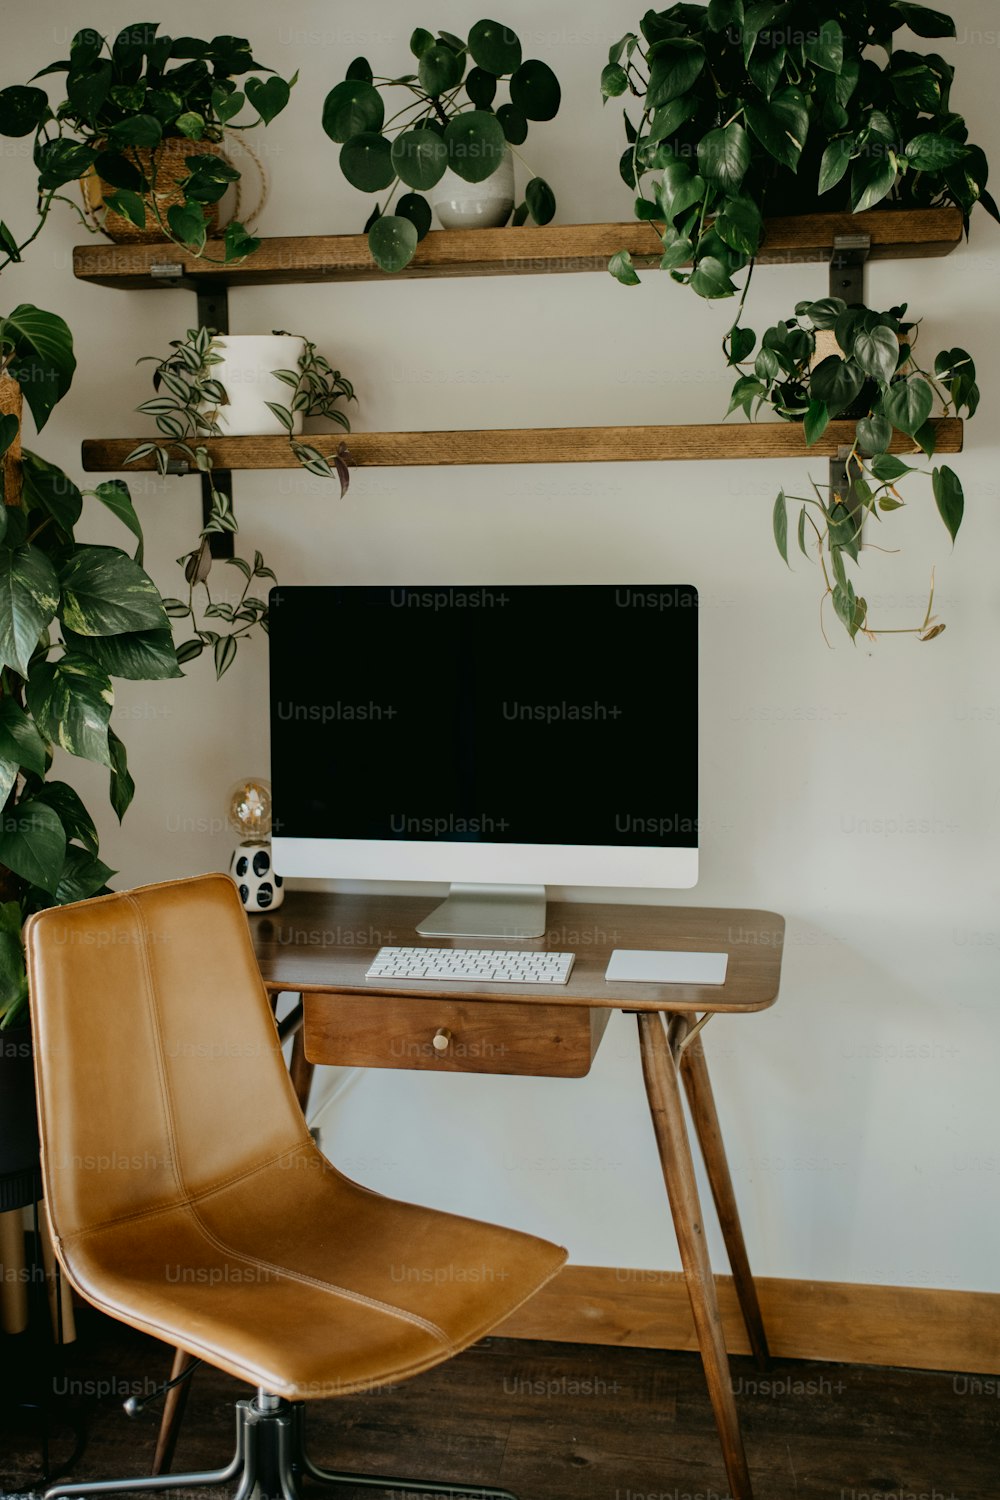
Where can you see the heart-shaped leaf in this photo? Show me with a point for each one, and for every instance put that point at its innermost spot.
(876, 350)
(268, 96)
(908, 403)
(29, 596)
(71, 700)
(724, 156)
(33, 843)
(950, 498)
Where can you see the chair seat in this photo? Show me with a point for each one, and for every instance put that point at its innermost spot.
(294, 1278)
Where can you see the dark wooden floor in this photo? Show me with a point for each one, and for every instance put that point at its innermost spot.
(553, 1422)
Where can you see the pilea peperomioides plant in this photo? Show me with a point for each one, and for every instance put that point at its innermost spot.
(750, 109)
(448, 120)
(872, 374)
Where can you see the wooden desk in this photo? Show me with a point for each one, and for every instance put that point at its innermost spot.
(320, 945)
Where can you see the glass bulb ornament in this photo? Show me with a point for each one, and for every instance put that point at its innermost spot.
(249, 813)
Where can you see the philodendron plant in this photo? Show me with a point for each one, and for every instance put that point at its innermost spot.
(872, 374)
(449, 119)
(186, 409)
(73, 616)
(122, 101)
(780, 108)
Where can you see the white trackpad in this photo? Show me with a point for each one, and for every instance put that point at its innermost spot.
(657, 966)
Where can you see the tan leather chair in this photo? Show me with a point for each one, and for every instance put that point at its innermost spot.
(187, 1198)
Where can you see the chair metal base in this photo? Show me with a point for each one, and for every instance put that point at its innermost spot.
(269, 1463)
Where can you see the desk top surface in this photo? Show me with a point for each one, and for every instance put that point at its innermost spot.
(322, 942)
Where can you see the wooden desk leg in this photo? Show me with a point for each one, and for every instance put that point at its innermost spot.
(173, 1415)
(663, 1091)
(301, 1071)
(694, 1071)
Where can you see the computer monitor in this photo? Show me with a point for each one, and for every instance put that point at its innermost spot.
(499, 738)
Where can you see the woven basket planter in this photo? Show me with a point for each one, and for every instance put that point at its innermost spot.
(12, 405)
(170, 159)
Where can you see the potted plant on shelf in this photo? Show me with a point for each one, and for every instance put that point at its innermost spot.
(215, 385)
(142, 122)
(872, 374)
(747, 109)
(449, 139)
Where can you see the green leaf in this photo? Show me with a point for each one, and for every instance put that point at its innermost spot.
(934, 153)
(82, 876)
(392, 241)
(740, 225)
(105, 593)
(725, 13)
(513, 124)
(679, 189)
(816, 421)
(71, 701)
(440, 68)
(476, 145)
(43, 357)
(836, 382)
(802, 532)
(950, 498)
(781, 125)
(887, 467)
(187, 222)
(826, 49)
(136, 130)
(724, 156)
(741, 344)
(62, 161)
(191, 124)
(225, 654)
(138, 655)
(908, 403)
(535, 91)
(33, 843)
(874, 434)
(495, 47)
(836, 160)
(420, 41)
(267, 96)
(872, 178)
(917, 88)
(22, 110)
(419, 158)
(923, 21)
(674, 68)
(481, 87)
(779, 521)
(679, 252)
(20, 740)
(745, 392)
(541, 200)
(366, 162)
(29, 597)
(352, 108)
(73, 816)
(614, 81)
(411, 206)
(122, 788)
(114, 493)
(49, 490)
(876, 350)
(129, 205)
(711, 279)
(621, 267)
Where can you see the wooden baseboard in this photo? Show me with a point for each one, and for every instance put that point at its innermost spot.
(919, 1327)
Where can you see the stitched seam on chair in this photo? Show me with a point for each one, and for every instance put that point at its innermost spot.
(154, 1018)
(317, 1281)
(176, 1203)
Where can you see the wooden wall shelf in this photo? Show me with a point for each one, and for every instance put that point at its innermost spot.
(530, 445)
(895, 234)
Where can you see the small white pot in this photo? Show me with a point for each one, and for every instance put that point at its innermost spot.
(475, 205)
(248, 360)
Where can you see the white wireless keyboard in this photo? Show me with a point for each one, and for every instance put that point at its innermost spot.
(495, 965)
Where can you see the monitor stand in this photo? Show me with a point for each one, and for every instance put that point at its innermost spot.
(489, 911)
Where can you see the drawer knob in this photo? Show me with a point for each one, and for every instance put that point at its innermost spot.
(442, 1040)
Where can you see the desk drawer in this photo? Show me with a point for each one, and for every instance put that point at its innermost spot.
(452, 1036)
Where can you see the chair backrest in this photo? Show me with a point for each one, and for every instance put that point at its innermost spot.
(158, 1067)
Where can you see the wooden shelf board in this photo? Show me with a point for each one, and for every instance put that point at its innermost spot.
(530, 445)
(895, 234)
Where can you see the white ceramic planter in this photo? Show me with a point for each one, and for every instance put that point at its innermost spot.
(475, 205)
(248, 360)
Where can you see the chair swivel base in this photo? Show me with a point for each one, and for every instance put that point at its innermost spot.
(269, 1463)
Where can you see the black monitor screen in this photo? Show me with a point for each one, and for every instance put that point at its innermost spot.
(521, 715)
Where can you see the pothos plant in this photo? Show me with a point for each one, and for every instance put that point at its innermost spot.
(122, 100)
(875, 376)
(754, 108)
(73, 617)
(449, 118)
(186, 411)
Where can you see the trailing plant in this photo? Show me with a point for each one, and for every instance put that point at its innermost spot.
(449, 120)
(749, 109)
(121, 101)
(186, 409)
(73, 616)
(875, 376)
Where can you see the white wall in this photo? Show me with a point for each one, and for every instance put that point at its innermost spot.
(853, 789)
